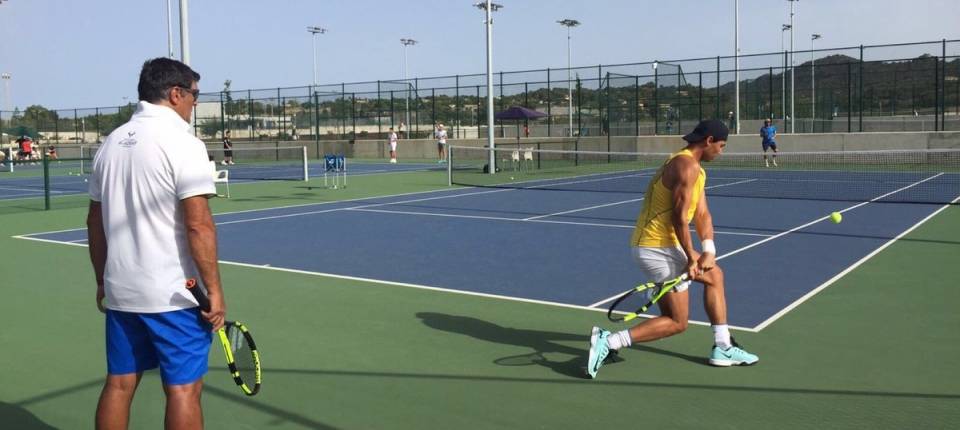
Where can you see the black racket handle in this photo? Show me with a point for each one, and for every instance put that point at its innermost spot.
(202, 299)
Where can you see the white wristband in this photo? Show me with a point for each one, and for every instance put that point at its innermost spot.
(709, 247)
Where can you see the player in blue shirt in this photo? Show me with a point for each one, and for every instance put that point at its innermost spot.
(768, 132)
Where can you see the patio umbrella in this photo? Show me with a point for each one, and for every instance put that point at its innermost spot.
(519, 113)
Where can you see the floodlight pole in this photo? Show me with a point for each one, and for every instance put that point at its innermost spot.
(813, 88)
(314, 30)
(783, 76)
(406, 43)
(169, 31)
(184, 33)
(6, 90)
(490, 7)
(793, 116)
(736, 66)
(569, 23)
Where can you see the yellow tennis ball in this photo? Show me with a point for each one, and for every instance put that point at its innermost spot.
(836, 217)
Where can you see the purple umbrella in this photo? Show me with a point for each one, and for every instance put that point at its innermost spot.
(519, 113)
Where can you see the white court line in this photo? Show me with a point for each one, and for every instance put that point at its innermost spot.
(392, 283)
(784, 233)
(622, 202)
(837, 277)
(494, 218)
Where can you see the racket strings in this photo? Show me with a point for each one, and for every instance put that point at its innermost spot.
(242, 355)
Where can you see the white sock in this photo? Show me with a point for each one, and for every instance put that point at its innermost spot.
(721, 336)
(619, 340)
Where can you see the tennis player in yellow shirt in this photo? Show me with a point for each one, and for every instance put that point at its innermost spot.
(663, 248)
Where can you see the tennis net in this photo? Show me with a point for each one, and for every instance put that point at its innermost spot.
(909, 176)
(269, 163)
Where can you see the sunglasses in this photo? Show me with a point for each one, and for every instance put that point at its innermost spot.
(192, 91)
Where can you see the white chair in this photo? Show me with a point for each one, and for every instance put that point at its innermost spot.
(515, 159)
(528, 156)
(220, 177)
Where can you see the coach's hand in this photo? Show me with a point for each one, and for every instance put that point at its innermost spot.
(218, 311)
(100, 297)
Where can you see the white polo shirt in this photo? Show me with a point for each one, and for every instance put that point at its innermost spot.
(141, 173)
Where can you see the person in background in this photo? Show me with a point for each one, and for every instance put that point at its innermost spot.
(393, 146)
(768, 134)
(441, 135)
(227, 149)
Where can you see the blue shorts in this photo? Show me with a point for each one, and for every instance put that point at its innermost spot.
(769, 145)
(178, 342)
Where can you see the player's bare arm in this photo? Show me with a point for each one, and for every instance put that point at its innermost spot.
(704, 224)
(680, 177)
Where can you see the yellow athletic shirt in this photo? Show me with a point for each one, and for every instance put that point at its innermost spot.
(653, 228)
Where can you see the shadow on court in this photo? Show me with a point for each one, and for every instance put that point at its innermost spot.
(16, 417)
(541, 342)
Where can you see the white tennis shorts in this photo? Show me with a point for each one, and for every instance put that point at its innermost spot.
(661, 264)
(393, 146)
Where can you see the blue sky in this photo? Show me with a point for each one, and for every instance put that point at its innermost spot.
(73, 53)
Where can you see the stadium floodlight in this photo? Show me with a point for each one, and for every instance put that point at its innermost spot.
(314, 30)
(783, 80)
(407, 42)
(489, 7)
(813, 88)
(569, 23)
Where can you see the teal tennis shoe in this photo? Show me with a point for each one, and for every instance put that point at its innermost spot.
(733, 356)
(598, 350)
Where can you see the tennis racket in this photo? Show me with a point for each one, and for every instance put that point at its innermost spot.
(243, 359)
(651, 291)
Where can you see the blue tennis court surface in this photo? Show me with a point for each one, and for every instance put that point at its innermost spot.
(553, 243)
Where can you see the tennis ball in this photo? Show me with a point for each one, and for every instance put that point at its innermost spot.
(511, 178)
(836, 217)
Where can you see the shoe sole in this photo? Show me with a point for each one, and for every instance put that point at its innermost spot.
(727, 363)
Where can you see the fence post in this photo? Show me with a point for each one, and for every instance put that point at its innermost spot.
(849, 98)
(770, 96)
(700, 96)
(379, 113)
(549, 104)
(943, 84)
(860, 96)
(656, 100)
(717, 112)
(636, 105)
(457, 103)
(936, 93)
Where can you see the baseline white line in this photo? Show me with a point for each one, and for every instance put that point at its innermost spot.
(59, 242)
(587, 224)
(392, 283)
(853, 266)
(621, 202)
(784, 233)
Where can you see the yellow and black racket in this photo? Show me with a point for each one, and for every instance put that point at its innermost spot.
(651, 292)
(243, 359)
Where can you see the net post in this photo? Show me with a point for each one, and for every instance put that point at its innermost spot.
(306, 166)
(46, 183)
(449, 165)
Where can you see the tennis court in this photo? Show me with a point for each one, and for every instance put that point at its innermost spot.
(349, 296)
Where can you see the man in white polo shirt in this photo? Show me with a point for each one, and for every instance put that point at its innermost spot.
(150, 229)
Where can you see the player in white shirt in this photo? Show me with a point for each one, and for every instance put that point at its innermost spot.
(150, 229)
(393, 146)
(441, 135)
